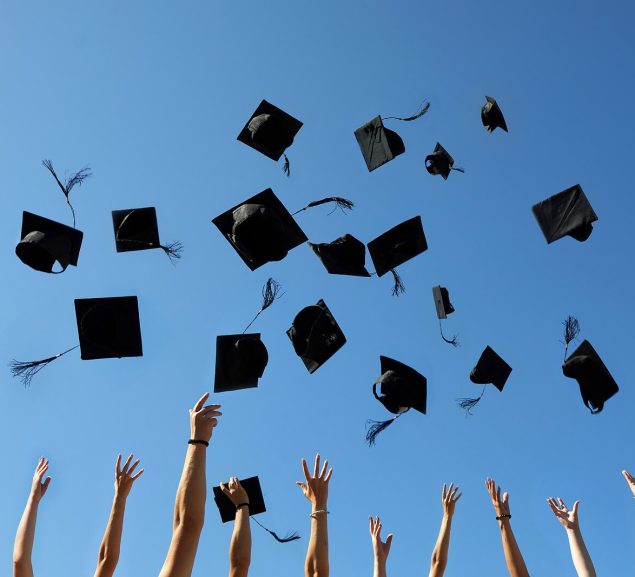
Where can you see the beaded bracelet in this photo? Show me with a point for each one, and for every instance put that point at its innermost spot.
(503, 517)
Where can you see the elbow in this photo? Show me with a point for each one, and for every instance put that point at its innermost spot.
(191, 521)
(240, 564)
(107, 565)
(437, 564)
(21, 565)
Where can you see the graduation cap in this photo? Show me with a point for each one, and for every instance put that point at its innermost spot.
(315, 335)
(379, 144)
(45, 242)
(227, 509)
(107, 328)
(444, 308)
(345, 255)
(401, 388)
(490, 369)
(492, 116)
(440, 162)
(397, 246)
(596, 383)
(137, 229)
(567, 213)
(241, 359)
(66, 187)
(270, 131)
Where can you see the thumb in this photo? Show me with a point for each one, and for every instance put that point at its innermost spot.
(46, 484)
(506, 500)
(389, 540)
(575, 508)
(301, 485)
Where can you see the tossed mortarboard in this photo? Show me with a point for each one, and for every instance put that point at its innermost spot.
(345, 255)
(401, 388)
(440, 162)
(315, 335)
(490, 369)
(270, 131)
(227, 509)
(492, 116)
(137, 229)
(45, 242)
(379, 144)
(107, 328)
(241, 359)
(596, 383)
(397, 246)
(444, 308)
(567, 213)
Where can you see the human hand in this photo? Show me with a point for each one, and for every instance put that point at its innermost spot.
(235, 492)
(630, 480)
(449, 499)
(316, 488)
(501, 506)
(203, 419)
(38, 488)
(381, 549)
(124, 478)
(568, 519)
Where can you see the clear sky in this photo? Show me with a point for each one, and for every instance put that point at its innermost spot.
(152, 96)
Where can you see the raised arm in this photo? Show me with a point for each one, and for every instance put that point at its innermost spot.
(111, 543)
(439, 559)
(630, 480)
(316, 490)
(240, 545)
(23, 546)
(380, 549)
(189, 506)
(569, 520)
(515, 562)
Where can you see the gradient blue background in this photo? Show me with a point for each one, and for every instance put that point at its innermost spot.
(152, 96)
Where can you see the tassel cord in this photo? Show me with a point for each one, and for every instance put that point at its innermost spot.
(422, 111)
(468, 404)
(341, 203)
(453, 341)
(286, 539)
(399, 287)
(26, 370)
(270, 294)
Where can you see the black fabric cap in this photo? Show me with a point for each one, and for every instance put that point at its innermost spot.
(439, 162)
(108, 327)
(45, 242)
(492, 116)
(378, 144)
(345, 255)
(490, 368)
(596, 383)
(240, 362)
(270, 130)
(401, 387)
(397, 245)
(442, 301)
(315, 335)
(567, 213)
(227, 509)
(260, 229)
(136, 229)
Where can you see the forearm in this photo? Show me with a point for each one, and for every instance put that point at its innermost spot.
(111, 543)
(317, 558)
(514, 559)
(379, 568)
(25, 535)
(240, 545)
(581, 558)
(191, 494)
(439, 559)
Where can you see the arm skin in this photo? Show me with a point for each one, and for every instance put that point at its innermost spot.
(189, 506)
(630, 480)
(240, 544)
(23, 546)
(315, 488)
(381, 549)
(569, 520)
(111, 543)
(439, 559)
(514, 559)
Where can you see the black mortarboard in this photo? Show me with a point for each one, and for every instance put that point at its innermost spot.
(315, 335)
(270, 131)
(345, 255)
(227, 509)
(108, 327)
(260, 229)
(396, 246)
(440, 162)
(401, 388)
(45, 242)
(137, 229)
(240, 362)
(596, 383)
(489, 369)
(444, 308)
(492, 116)
(567, 213)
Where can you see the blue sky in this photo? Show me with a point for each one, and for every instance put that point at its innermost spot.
(151, 96)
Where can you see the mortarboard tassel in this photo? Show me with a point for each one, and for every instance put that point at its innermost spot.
(341, 203)
(174, 250)
(398, 288)
(458, 169)
(469, 404)
(270, 294)
(377, 427)
(571, 332)
(286, 168)
(26, 370)
(422, 111)
(453, 341)
(77, 178)
(286, 539)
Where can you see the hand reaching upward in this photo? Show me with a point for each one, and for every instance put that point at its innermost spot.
(39, 487)
(316, 487)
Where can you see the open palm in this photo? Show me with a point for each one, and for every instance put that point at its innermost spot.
(568, 517)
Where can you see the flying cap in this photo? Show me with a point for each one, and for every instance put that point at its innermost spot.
(440, 162)
(345, 255)
(492, 116)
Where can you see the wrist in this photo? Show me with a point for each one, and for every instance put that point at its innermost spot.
(198, 441)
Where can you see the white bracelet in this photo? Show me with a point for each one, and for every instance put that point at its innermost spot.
(318, 511)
